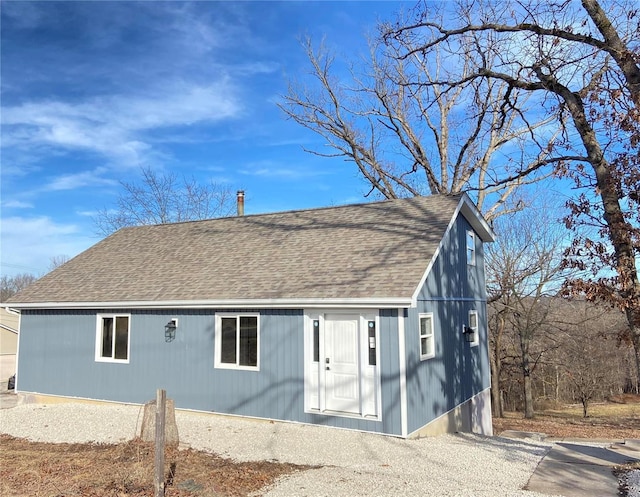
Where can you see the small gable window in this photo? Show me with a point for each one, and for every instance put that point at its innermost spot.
(237, 339)
(427, 344)
(471, 248)
(112, 338)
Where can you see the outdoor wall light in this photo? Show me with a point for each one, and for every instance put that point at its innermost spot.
(469, 333)
(170, 330)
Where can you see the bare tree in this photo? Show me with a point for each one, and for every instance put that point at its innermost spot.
(164, 198)
(579, 355)
(580, 65)
(589, 357)
(11, 285)
(57, 260)
(524, 270)
(409, 135)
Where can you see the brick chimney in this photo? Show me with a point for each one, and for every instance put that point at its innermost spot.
(240, 202)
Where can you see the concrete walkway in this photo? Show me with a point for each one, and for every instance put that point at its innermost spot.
(574, 469)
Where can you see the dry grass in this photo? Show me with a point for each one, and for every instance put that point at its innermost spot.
(125, 470)
(617, 419)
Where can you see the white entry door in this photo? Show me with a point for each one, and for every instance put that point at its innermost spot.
(342, 365)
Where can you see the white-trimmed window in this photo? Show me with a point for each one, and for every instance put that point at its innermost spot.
(471, 248)
(427, 341)
(237, 341)
(112, 337)
(473, 324)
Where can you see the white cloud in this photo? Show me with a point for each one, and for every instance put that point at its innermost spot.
(80, 180)
(276, 172)
(29, 243)
(93, 213)
(16, 204)
(23, 14)
(114, 127)
(273, 169)
(174, 105)
(259, 67)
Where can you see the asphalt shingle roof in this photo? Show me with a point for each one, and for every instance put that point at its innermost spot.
(374, 250)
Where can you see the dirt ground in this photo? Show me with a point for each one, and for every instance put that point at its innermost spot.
(618, 419)
(126, 470)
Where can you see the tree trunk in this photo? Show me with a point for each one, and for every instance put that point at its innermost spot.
(635, 339)
(585, 407)
(496, 371)
(528, 397)
(525, 339)
(619, 229)
(495, 389)
(526, 373)
(616, 48)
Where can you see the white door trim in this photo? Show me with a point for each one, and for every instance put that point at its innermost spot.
(315, 380)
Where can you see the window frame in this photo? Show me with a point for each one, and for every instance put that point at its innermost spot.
(218, 341)
(99, 337)
(421, 316)
(470, 251)
(476, 328)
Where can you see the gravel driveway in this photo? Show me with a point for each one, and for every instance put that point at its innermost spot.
(354, 464)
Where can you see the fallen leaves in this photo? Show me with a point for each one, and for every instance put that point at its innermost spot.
(125, 470)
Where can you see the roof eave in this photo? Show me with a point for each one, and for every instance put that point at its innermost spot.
(354, 303)
(470, 212)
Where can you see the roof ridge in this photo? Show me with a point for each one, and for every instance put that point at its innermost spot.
(293, 211)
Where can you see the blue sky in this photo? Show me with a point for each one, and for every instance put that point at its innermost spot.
(93, 91)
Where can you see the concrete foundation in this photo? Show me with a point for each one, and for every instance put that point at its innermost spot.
(473, 416)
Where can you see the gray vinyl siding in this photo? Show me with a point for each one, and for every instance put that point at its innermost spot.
(458, 371)
(59, 352)
(450, 275)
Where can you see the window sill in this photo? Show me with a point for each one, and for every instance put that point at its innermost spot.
(236, 367)
(339, 414)
(112, 361)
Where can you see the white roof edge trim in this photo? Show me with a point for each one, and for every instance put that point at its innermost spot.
(471, 213)
(414, 298)
(391, 302)
(467, 208)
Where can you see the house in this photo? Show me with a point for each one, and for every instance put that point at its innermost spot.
(369, 317)
(9, 325)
